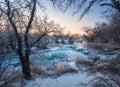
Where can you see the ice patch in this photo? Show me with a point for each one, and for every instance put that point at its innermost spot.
(72, 65)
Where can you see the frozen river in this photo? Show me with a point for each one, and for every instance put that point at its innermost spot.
(59, 53)
(55, 54)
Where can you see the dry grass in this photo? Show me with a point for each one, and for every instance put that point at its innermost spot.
(104, 79)
(109, 73)
(38, 70)
(11, 76)
(60, 68)
(110, 66)
(84, 62)
(63, 68)
(107, 80)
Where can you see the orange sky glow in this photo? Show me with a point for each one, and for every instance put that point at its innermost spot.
(70, 22)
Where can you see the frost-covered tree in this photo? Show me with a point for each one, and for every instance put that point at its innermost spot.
(22, 18)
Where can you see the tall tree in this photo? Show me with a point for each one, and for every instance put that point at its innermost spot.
(20, 14)
(11, 13)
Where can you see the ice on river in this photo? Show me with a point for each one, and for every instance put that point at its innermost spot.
(58, 53)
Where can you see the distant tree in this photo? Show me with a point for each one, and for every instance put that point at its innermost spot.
(114, 26)
(105, 32)
(57, 36)
(1, 43)
(46, 27)
(6, 41)
(70, 38)
(76, 37)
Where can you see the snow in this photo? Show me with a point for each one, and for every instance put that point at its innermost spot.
(54, 48)
(1, 83)
(74, 55)
(72, 65)
(66, 80)
(33, 49)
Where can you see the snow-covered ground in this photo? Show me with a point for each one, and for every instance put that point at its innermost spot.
(66, 80)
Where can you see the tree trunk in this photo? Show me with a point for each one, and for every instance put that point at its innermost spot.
(25, 66)
(26, 69)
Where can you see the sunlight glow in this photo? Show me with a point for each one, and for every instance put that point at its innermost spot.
(70, 22)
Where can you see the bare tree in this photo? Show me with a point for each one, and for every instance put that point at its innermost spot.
(12, 13)
(21, 15)
(105, 32)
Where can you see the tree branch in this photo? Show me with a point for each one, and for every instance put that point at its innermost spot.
(91, 3)
(32, 16)
(107, 4)
(44, 34)
(27, 47)
(13, 25)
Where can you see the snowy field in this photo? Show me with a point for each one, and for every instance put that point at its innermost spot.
(66, 80)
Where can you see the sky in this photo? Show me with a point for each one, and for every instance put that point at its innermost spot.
(70, 22)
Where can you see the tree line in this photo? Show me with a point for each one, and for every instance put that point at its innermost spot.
(105, 32)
